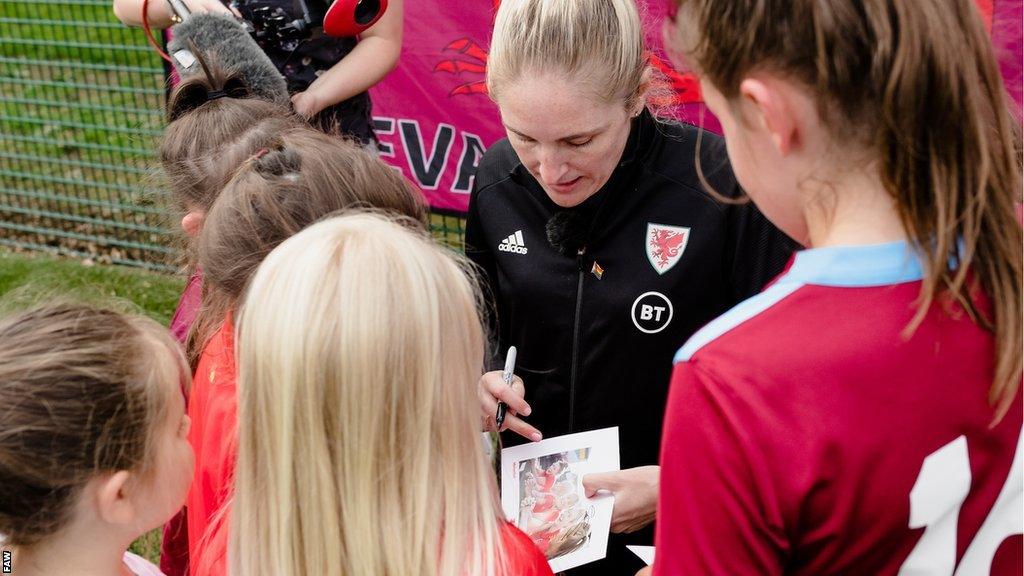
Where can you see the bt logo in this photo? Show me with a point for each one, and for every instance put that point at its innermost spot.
(652, 312)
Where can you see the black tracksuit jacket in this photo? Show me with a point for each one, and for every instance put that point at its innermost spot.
(596, 343)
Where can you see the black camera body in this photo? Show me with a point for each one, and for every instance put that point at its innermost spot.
(270, 23)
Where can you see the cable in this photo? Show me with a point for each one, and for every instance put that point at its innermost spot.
(149, 32)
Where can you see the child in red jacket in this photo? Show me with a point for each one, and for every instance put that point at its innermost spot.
(359, 345)
(293, 179)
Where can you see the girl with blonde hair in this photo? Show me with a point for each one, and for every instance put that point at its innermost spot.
(359, 447)
(863, 414)
(293, 179)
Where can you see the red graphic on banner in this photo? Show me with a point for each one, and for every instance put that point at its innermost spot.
(684, 86)
(476, 64)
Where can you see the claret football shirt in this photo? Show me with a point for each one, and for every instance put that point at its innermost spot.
(807, 434)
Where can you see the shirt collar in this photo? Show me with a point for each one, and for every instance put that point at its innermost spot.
(856, 266)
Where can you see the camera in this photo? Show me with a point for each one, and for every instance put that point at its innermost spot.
(270, 24)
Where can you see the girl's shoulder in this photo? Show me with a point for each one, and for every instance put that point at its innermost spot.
(523, 558)
(140, 566)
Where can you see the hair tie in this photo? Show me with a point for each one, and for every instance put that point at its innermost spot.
(215, 94)
(259, 154)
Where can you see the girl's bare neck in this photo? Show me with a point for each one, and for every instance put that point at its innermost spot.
(854, 209)
(72, 553)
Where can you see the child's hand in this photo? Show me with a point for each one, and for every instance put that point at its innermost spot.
(636, 495)
(307, 104)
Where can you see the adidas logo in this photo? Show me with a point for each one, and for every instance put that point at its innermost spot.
(514, 243)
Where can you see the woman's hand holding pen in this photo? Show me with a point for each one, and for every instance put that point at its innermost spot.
(490, 389)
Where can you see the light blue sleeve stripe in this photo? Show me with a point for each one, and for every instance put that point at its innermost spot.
(737, 315)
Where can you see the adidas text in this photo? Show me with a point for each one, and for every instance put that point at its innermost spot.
(514, 243)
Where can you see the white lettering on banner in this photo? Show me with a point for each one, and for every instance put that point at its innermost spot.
(940, 490)
(427, 168)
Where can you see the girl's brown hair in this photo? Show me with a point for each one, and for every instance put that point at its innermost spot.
(295, 178)
(916, 83)
(84, 390)
(208, 114)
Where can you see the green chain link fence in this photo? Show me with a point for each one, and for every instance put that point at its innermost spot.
(81, 100)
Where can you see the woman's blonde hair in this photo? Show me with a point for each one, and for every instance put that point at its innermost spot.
(916, 82)
(599, 43)
(359, 347)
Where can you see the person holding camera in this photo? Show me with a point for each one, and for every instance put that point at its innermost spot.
(328, 78)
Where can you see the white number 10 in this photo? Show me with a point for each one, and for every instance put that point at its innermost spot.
(940, 490)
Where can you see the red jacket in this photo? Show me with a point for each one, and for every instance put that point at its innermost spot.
(213, 409)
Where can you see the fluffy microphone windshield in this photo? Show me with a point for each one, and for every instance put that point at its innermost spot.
(226, 42)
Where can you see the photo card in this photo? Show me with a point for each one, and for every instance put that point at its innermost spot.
(542, 494)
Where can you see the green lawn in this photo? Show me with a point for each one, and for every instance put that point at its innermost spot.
(81, 111)
(26, 280)
(81, 100)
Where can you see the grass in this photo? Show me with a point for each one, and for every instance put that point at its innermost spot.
(29, 279)
(81, 100)
(148, 546)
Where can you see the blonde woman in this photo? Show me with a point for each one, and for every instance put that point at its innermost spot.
(602, 249)
(359, 347)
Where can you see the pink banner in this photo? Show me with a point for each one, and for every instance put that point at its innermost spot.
(434, 118)
(432, 114)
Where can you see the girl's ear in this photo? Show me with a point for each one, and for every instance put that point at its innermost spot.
(192, 222)
(769, 107)
(112, 499)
